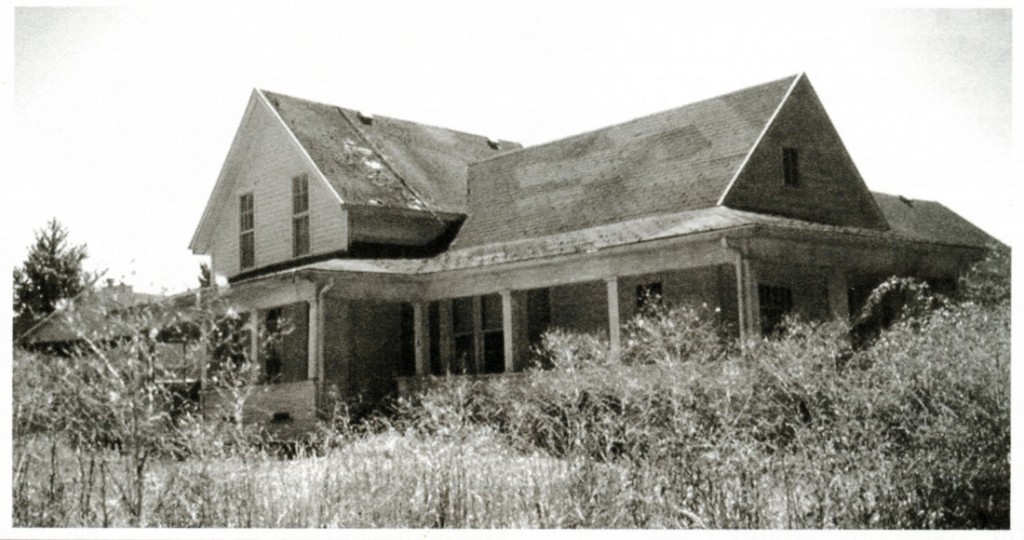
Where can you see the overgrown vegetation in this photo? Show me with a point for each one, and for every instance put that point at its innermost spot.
(910, 429)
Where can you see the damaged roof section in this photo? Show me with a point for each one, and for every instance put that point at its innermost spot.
(379, 161)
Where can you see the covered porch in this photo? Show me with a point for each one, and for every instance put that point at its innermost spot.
(362, 332)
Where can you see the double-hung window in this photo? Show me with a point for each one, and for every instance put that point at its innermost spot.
(246, 227)
(300, 215)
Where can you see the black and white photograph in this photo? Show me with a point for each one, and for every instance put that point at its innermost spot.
(408, 267)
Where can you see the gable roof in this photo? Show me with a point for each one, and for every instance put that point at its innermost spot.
(677, 160)
(382, 161)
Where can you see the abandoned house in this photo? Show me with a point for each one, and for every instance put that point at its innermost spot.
(400, 250)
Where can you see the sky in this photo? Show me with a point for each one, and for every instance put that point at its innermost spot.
(122, 116)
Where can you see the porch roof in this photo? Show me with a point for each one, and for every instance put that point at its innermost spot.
(917, 222)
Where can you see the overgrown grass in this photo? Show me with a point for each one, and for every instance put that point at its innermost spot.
(687, 430)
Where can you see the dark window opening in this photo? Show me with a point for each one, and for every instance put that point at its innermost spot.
(272, 362)
(300, 236)
(284, 343)
(776, 303)
(300, 215)
(538, 315)
(247, 242)
(407, 351)
(791, 166)
(648, 296)
(493, 336)
(464, 336)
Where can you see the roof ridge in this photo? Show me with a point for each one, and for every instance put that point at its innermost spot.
(760, 136)
(636, 119)
(389, 118)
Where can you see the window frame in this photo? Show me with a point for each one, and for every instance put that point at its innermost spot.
(300, 216)
(790, 167)
(246, 230)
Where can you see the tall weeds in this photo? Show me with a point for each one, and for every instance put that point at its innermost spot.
(909, 429)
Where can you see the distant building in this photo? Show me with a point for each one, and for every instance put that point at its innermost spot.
(396, 249)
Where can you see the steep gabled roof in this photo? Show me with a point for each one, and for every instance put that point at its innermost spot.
(677, 160)
(381, 161)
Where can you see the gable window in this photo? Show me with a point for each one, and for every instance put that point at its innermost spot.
(776, 303)
(300, 215)
(246, 227)
(791, 167)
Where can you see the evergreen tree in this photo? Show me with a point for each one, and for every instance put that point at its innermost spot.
(51, 273)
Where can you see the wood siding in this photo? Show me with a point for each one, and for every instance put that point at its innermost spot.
(830, 189)
(266, 167)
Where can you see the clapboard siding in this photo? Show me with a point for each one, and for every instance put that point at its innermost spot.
(271, 161)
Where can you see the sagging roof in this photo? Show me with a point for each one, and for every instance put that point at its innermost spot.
(677, 160)
(381, 161)
(916, 222)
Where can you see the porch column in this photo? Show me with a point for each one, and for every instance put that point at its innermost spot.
(313, 343)
(838, 300)
(513, 330)
(614, 326)
(746, 295)
(421, 333)
(445, 330)
(254, 336)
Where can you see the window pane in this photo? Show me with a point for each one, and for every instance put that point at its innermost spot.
(246, 212)
(300, 194)
(776, 303)
(465, 355)
(494, 352)
(248, 250)
(790, 166)
(492, 312)
(462, 309)
(300, 236)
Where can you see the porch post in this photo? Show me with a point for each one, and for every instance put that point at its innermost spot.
(478, 334)
(614, 325)
(838, 300)
(254, 333)
(746, 296)
(446, 347)
(313, 345)
(421, 333)
(513, 319)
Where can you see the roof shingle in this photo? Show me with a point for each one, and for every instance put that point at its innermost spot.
(381, 161)
(677, 160)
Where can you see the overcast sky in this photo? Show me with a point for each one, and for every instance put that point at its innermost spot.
(123, 116)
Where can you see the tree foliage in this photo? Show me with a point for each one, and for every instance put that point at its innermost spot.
(52, 272)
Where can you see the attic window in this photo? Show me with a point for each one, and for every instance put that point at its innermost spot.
(246, 226)
(791, 167)
(300, 215)
(494, 143)
(365, 118)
